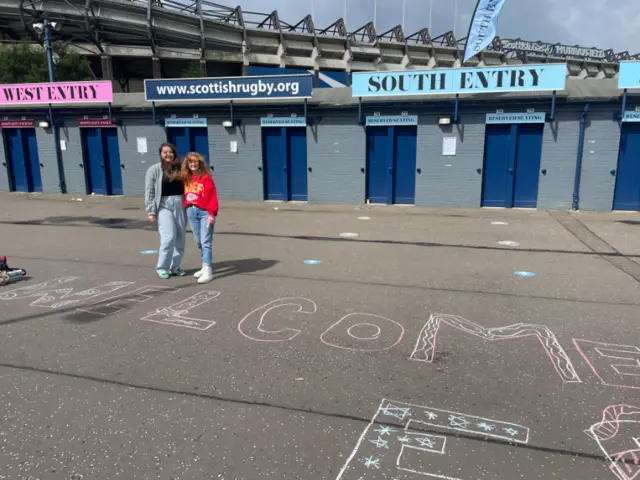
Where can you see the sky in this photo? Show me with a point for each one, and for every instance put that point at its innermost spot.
(602, 24)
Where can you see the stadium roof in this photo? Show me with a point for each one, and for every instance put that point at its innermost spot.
(168, 29)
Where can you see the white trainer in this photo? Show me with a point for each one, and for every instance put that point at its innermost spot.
(207, 274)
(199, 273)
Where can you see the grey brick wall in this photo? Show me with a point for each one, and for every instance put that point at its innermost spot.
(47, 155)
(72, 159)
(4, 171)
(559, 150)
(601, 146)
(450, 181)
(237, 175)
(136, 164)
(336, 151)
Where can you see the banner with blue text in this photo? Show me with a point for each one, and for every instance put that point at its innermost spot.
(493, 118)
(629, 75)
(510, 78)
(228, 88)
(483, 27)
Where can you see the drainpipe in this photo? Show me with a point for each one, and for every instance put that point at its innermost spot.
(576, 183)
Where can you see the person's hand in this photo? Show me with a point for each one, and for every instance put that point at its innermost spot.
(152, 218)
(211, 220)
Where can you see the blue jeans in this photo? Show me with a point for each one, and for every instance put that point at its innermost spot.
(172, 226)
(203, 234)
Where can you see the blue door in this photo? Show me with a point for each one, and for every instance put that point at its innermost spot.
(32, 158)
(405, 165)
(528, 154)
(189, 139)
(179, 136)
(200, 142)
(380, 164)
(627, 193)
(16, 157)
(112, 155)
(94, 161)
(23, 160)
(497, 163)
(297, 163)
(274, 145)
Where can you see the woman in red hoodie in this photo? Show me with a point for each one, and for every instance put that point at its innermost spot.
(201, 203)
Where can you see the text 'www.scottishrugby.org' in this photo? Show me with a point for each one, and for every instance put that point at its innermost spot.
(252, 89)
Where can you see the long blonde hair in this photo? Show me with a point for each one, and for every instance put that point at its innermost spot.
(187, 174)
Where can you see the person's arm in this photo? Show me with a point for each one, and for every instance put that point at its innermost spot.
(150, 194)
(213, 206)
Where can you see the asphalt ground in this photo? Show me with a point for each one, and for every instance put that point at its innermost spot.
(411, 350)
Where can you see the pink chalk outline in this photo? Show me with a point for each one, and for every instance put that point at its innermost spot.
(608, 428)
(614, 349)
(285, 334)
(363, 339)
(426, 343)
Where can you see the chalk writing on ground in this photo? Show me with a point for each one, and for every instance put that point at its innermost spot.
(614, 365)
(120, 303)
(176, 314)
(253, 327)
(54, 293)
(416, 447)
(617, 435)
(425, 348)
(365, 332)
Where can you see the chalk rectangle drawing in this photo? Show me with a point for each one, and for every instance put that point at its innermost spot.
(385, 450)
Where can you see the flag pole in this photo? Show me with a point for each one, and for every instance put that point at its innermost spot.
(473, 16)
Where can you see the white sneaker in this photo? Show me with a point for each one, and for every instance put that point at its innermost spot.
(199, 273)
(207, 275)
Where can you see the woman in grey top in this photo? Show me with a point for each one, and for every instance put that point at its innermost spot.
(164, 203)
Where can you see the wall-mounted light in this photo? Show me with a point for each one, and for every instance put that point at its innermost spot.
(43, 124)
(444, 121)
(227, 124)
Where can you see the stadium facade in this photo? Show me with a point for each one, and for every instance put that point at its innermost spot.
(524, 124)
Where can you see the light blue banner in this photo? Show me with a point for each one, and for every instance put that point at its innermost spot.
(483, 26)
(509, 78)
(631, 117)
(283, 122)
(516, 117)
(391, 120)
(185, 122)
(629, 75)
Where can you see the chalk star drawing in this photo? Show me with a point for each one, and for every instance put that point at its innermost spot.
(398, 412)
(425, 442)
(486, 427)
(385, 430)
(431, 415)
(635, 439)
(404, 439)
(511, 431)
(380, 443)
(459, 422)
(372, 463)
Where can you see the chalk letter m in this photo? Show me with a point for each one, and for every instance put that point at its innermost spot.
(425, 348)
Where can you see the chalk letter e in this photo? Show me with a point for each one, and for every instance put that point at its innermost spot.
(623, 362)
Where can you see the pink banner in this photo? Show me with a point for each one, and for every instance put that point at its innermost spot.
(69, 92)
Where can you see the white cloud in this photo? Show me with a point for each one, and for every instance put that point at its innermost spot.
(589, 23)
